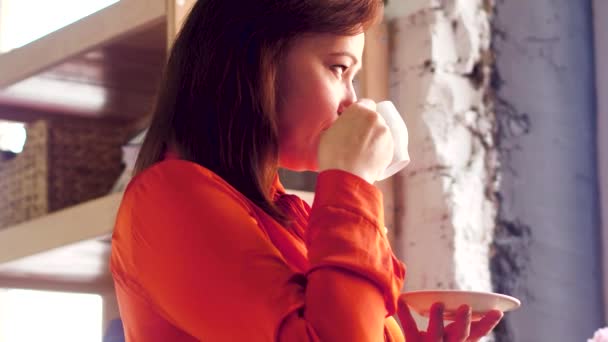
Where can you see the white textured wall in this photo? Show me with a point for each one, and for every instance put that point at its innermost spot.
(600, 13)
(401, 8)
(438, 83)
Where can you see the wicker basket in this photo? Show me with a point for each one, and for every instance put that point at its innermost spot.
(64, 162)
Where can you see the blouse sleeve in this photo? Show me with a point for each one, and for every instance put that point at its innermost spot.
(208, 267)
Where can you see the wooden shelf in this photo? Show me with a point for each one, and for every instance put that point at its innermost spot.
(67, 250)
(107, 64)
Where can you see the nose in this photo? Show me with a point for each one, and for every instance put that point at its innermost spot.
(350, 97)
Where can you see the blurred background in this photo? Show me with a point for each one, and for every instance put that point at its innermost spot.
(507, 190)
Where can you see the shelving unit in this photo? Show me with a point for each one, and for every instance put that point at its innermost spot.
(107, 64)
(65, 250)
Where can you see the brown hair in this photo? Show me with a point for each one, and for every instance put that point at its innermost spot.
(216, 105)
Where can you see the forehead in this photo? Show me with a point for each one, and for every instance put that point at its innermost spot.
(329, 43)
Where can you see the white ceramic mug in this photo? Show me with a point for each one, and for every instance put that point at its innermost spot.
(400, 136)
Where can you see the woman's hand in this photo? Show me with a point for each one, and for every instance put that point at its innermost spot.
(359, 142)
(461, 330)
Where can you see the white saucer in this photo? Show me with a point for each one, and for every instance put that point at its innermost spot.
(480, 302)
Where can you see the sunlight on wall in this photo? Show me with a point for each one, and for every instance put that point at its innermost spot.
(23, 21)
(27, 315)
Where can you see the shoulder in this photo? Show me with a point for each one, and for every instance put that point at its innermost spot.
(178, 186)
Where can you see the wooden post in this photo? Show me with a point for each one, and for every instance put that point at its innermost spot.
(2, 14)
(177, 11)
(373, 77)
(374, 84)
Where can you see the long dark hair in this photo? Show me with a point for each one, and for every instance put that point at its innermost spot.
(217, 102)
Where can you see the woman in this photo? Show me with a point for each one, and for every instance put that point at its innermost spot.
(207, 244)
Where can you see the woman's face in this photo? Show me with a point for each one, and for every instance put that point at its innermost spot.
(315, 86)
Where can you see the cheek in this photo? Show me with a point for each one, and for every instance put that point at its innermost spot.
(298, 122)
(320, 101)
(307, 103)
(309, 115)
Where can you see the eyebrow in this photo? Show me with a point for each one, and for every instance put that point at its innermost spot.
(347, 54)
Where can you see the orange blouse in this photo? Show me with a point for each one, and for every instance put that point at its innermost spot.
(193, 259)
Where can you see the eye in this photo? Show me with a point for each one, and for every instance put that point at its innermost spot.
(339, 69)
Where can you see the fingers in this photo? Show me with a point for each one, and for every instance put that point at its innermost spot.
(435, 328)
(410, 329)
(460, 329)
(485, 325)
(359, 142)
